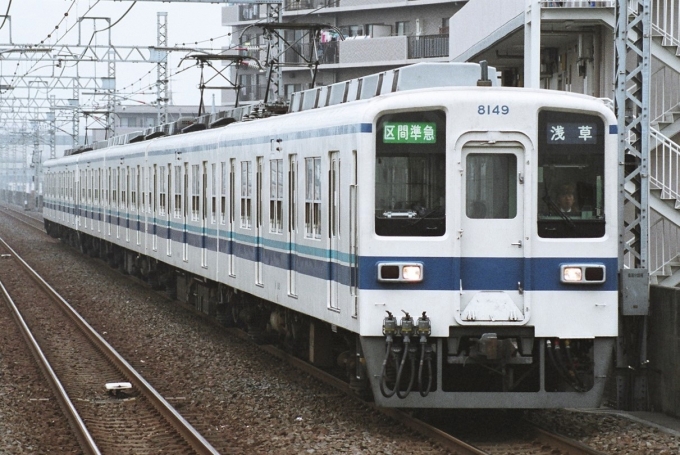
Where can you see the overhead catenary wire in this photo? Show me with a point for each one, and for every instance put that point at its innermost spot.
(9, 5)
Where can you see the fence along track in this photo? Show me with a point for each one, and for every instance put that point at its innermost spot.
(181, 426)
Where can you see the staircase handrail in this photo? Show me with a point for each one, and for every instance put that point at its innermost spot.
(664, 164)
(665, 15)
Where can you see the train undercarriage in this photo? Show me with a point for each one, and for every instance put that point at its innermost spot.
(330, 348)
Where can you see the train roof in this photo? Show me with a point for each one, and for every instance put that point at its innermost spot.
(412, 77)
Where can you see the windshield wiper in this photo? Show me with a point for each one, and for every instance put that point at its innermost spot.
(406, 214)
(567, 220)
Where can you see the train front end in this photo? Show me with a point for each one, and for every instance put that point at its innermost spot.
(488, 249)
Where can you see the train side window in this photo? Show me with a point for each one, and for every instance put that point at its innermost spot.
(96, 186)
(162, 191)
(213, 193)
(133, 188)
(83, 186)
(152, 189)
(114, 191)
(89, 185)
(178, 192)
(410, 174)
(313, 198)
(195, 191)
(223, 193)
(246, 194)
(570, 198)
(276, 196)
(123, 187)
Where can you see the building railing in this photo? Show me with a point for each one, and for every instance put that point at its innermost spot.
(578, 4)
(428, 46)
(664, 94)
(664, 242)
(293, 5)
(666, 21)
(664, 162)
(664, 171)
(327, 53)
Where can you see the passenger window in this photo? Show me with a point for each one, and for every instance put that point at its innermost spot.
(491, 186)
(570, 199)
(410, 174)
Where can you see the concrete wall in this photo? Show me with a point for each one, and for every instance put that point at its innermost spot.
(477, 20)
(344, 3)
(393, 48)
(664, 350)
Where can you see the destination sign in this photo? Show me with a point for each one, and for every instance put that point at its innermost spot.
(410, 133)
(571, 133)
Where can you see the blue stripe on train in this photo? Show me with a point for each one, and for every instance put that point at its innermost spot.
(487, 274)
(441, 273)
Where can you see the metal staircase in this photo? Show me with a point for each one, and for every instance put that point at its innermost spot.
(664, 156)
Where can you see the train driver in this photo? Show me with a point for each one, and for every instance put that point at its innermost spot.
(566, 198)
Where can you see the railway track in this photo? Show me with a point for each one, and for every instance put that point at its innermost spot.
(30, 219)
(524, 439)
(87, 374)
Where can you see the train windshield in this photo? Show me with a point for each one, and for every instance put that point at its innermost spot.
(570, 175)
(410, 174)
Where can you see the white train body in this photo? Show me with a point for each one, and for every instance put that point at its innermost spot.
(440, 200)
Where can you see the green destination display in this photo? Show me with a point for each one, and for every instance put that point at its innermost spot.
(410, 133)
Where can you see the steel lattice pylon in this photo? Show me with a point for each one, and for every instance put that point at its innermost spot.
(162, 72)
(633, 57)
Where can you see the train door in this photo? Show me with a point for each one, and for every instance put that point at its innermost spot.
(153, 200)
(118, 193)
(232, 210)
(258, 221)
(204, 215)
(85, 199)
(185, 213)
(77, 182)
(492, 235)
(353, 236)
(334, 228)
(292, 223)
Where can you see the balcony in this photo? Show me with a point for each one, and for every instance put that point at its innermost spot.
(295, 5)
(365, 49)
(428, 46)
(326, 52)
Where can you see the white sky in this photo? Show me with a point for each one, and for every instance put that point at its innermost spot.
(188, 23)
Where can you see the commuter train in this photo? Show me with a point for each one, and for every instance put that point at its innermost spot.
(407, 228)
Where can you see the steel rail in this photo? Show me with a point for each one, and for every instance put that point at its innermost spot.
(565, 445)
(83, 435)
(188, 432)
(439, 437)
(14, 214)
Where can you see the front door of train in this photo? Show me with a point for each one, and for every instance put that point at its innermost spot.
(492, 240)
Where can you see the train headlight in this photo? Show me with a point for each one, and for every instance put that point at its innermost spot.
(412, 273)
(582, 273)
(572, 274)
(399, 272)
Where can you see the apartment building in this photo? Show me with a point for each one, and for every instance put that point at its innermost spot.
(362, 37)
